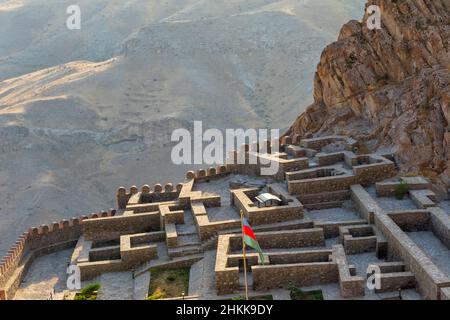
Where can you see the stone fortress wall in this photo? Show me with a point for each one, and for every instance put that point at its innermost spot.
(393, 225)
(308, 178)
(39, 241)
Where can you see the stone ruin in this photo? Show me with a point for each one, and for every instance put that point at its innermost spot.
(336, 207)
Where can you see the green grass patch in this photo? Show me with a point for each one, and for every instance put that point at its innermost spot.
(168, 283)
(88, 293)
(298, 294)
(401, 190)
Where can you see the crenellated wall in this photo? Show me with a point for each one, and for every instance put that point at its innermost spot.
(146, 195)
(209, 174)
(38, 241)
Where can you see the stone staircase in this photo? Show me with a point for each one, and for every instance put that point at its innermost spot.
(187, 244)
(176, 262)
(182, 251)
(210, 243)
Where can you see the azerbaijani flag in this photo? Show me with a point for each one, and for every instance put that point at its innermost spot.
(250, 239)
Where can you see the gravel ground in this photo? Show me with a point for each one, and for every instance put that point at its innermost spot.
(362, 260)
(141, 284)
(202, 277)
(189, 225)
(222, 213)
(434, 248)
(47, 273)
(116, 286)
(445, 205)
(390, 203)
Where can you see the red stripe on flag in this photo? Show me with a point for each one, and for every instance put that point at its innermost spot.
(249, 232)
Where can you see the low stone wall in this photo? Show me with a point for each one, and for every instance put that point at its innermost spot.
(141, 238)
(440, 225)
(309, 181)
(171, 235)
(389, 267)
(314, 173)
(207, 229)
(324, 200)
(36, 242)
(171, 215)
(210, 229)
(227, 281)
(328, 159)
(132, 251)
(394, 281)
(266, 277)
(411, 220)
(371, 173)
(429, 278)
(360, 244)
(227, 272)
(132, 255)
(291, 238)
(252, 163)
(320, 142)
(351, 286)
(387, 188)
(304, 256)
(445, 294)
(114, 227)
(364, 202)
(318, 185)
(90, 270)
(331, 229)
(358, 239)
(423, 199)
(106, 253)
(158, 193)
(227, 278)
(293, 164)
(274, 215)
(242, 199)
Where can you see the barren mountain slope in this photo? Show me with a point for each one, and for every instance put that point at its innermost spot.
(391, 87)
(84, 111)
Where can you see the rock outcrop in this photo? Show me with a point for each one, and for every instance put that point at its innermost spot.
(389, 88)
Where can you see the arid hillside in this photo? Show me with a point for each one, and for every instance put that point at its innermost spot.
(84, 111)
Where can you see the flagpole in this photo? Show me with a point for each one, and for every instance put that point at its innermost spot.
(243, 252)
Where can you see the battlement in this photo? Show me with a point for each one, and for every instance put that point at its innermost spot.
(210, 173)
(329, 203)
(147, 194)
(38, 240)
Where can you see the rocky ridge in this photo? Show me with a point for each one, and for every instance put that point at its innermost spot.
(389, 88)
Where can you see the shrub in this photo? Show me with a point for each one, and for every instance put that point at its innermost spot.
(157, 294)
(88, 293)
(168, 283)
(298, 294)
(171, 278)
(401, 190)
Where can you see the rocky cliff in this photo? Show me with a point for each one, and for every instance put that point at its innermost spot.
(389, 88)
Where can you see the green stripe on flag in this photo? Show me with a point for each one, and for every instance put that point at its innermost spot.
(255, 245)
